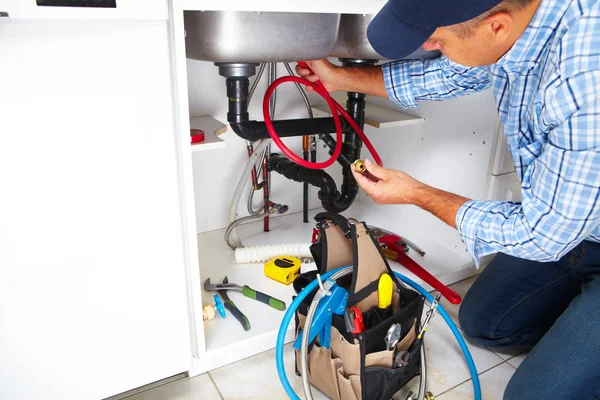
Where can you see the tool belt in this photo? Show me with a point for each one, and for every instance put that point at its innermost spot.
(359, 365)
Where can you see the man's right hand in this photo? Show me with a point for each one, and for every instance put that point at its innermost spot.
(322, 70)
(364, 79)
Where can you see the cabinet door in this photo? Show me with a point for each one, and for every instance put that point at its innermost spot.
(92, 277)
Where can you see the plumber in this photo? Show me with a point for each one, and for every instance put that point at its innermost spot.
(542, 58)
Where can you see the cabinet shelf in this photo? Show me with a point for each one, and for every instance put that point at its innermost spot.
(212, 130)
(226, 341)
(375, 115)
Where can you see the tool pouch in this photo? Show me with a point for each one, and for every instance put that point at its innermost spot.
(359, 366)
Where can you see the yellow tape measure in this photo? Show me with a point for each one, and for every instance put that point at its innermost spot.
(283, 269)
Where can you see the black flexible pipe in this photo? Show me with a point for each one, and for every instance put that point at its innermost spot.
(328, 193)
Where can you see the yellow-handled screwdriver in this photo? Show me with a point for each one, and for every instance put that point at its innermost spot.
(386, 289)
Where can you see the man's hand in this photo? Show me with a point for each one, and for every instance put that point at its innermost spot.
(387, 186)
(365, 79)
(322, 70)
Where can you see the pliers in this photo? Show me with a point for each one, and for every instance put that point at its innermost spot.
(247, 291)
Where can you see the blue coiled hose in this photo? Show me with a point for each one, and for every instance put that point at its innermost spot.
(287, 318)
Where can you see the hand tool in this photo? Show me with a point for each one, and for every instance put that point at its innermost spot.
(354, 320)
(283, 269)
(401, 359)
(391, 242)
(392, 337)
(404, 242)
(246, 291)
(411, 396)
(209, 310)
(385, 288)
(219, 306)
(229, 305)
(429, 315)
(332, 299)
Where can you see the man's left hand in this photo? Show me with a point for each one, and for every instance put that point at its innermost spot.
(387, 186)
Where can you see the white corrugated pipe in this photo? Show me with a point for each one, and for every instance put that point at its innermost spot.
(259, 254)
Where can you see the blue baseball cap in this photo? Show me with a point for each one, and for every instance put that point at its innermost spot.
(402, 26)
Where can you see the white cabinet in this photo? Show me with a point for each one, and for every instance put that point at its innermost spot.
(503, 184)
(502, 162)
(125, 9)
(92, 261)
(311, 6)
(505, 187)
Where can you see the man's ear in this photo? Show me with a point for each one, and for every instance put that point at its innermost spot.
(499, 25)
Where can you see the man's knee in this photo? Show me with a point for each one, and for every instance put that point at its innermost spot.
(473, 317)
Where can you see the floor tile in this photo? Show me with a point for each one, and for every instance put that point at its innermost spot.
(517, 360)
(507, 354)
(196, 388)
(256, 378)
(461, 288)
(446, 365)
(493, 384)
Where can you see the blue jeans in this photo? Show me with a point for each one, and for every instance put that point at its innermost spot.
(554, 307)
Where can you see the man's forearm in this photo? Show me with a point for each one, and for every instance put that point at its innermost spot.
(443, 205)
(367, 80)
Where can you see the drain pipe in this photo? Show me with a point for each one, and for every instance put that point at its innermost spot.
(355, 106)
(237, 81)
(314, 177)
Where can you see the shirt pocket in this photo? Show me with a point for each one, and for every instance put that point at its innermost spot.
(530, 152)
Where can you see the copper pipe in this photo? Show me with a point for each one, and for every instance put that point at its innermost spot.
(250, 148)
(306, 143)
(265, 186)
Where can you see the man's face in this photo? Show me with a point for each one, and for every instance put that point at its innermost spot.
(472, 49)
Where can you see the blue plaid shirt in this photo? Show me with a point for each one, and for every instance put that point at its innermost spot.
(547, 89)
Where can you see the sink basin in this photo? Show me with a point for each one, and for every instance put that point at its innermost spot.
(352, 40)
(245, 36)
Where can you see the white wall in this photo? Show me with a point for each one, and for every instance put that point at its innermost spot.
(92, 288)
(450, 151)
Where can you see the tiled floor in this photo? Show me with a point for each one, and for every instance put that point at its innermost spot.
(448, 376)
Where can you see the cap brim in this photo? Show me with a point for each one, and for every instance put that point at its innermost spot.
(392, 38)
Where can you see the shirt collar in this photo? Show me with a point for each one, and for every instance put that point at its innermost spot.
(525, 52)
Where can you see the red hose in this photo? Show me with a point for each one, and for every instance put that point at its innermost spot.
(335, 108)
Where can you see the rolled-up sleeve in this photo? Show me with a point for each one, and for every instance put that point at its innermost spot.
(409, 81)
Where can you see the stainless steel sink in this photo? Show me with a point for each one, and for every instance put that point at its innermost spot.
(352, 40)
(244, 36)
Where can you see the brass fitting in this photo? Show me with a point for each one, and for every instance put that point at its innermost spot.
(359, 166)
